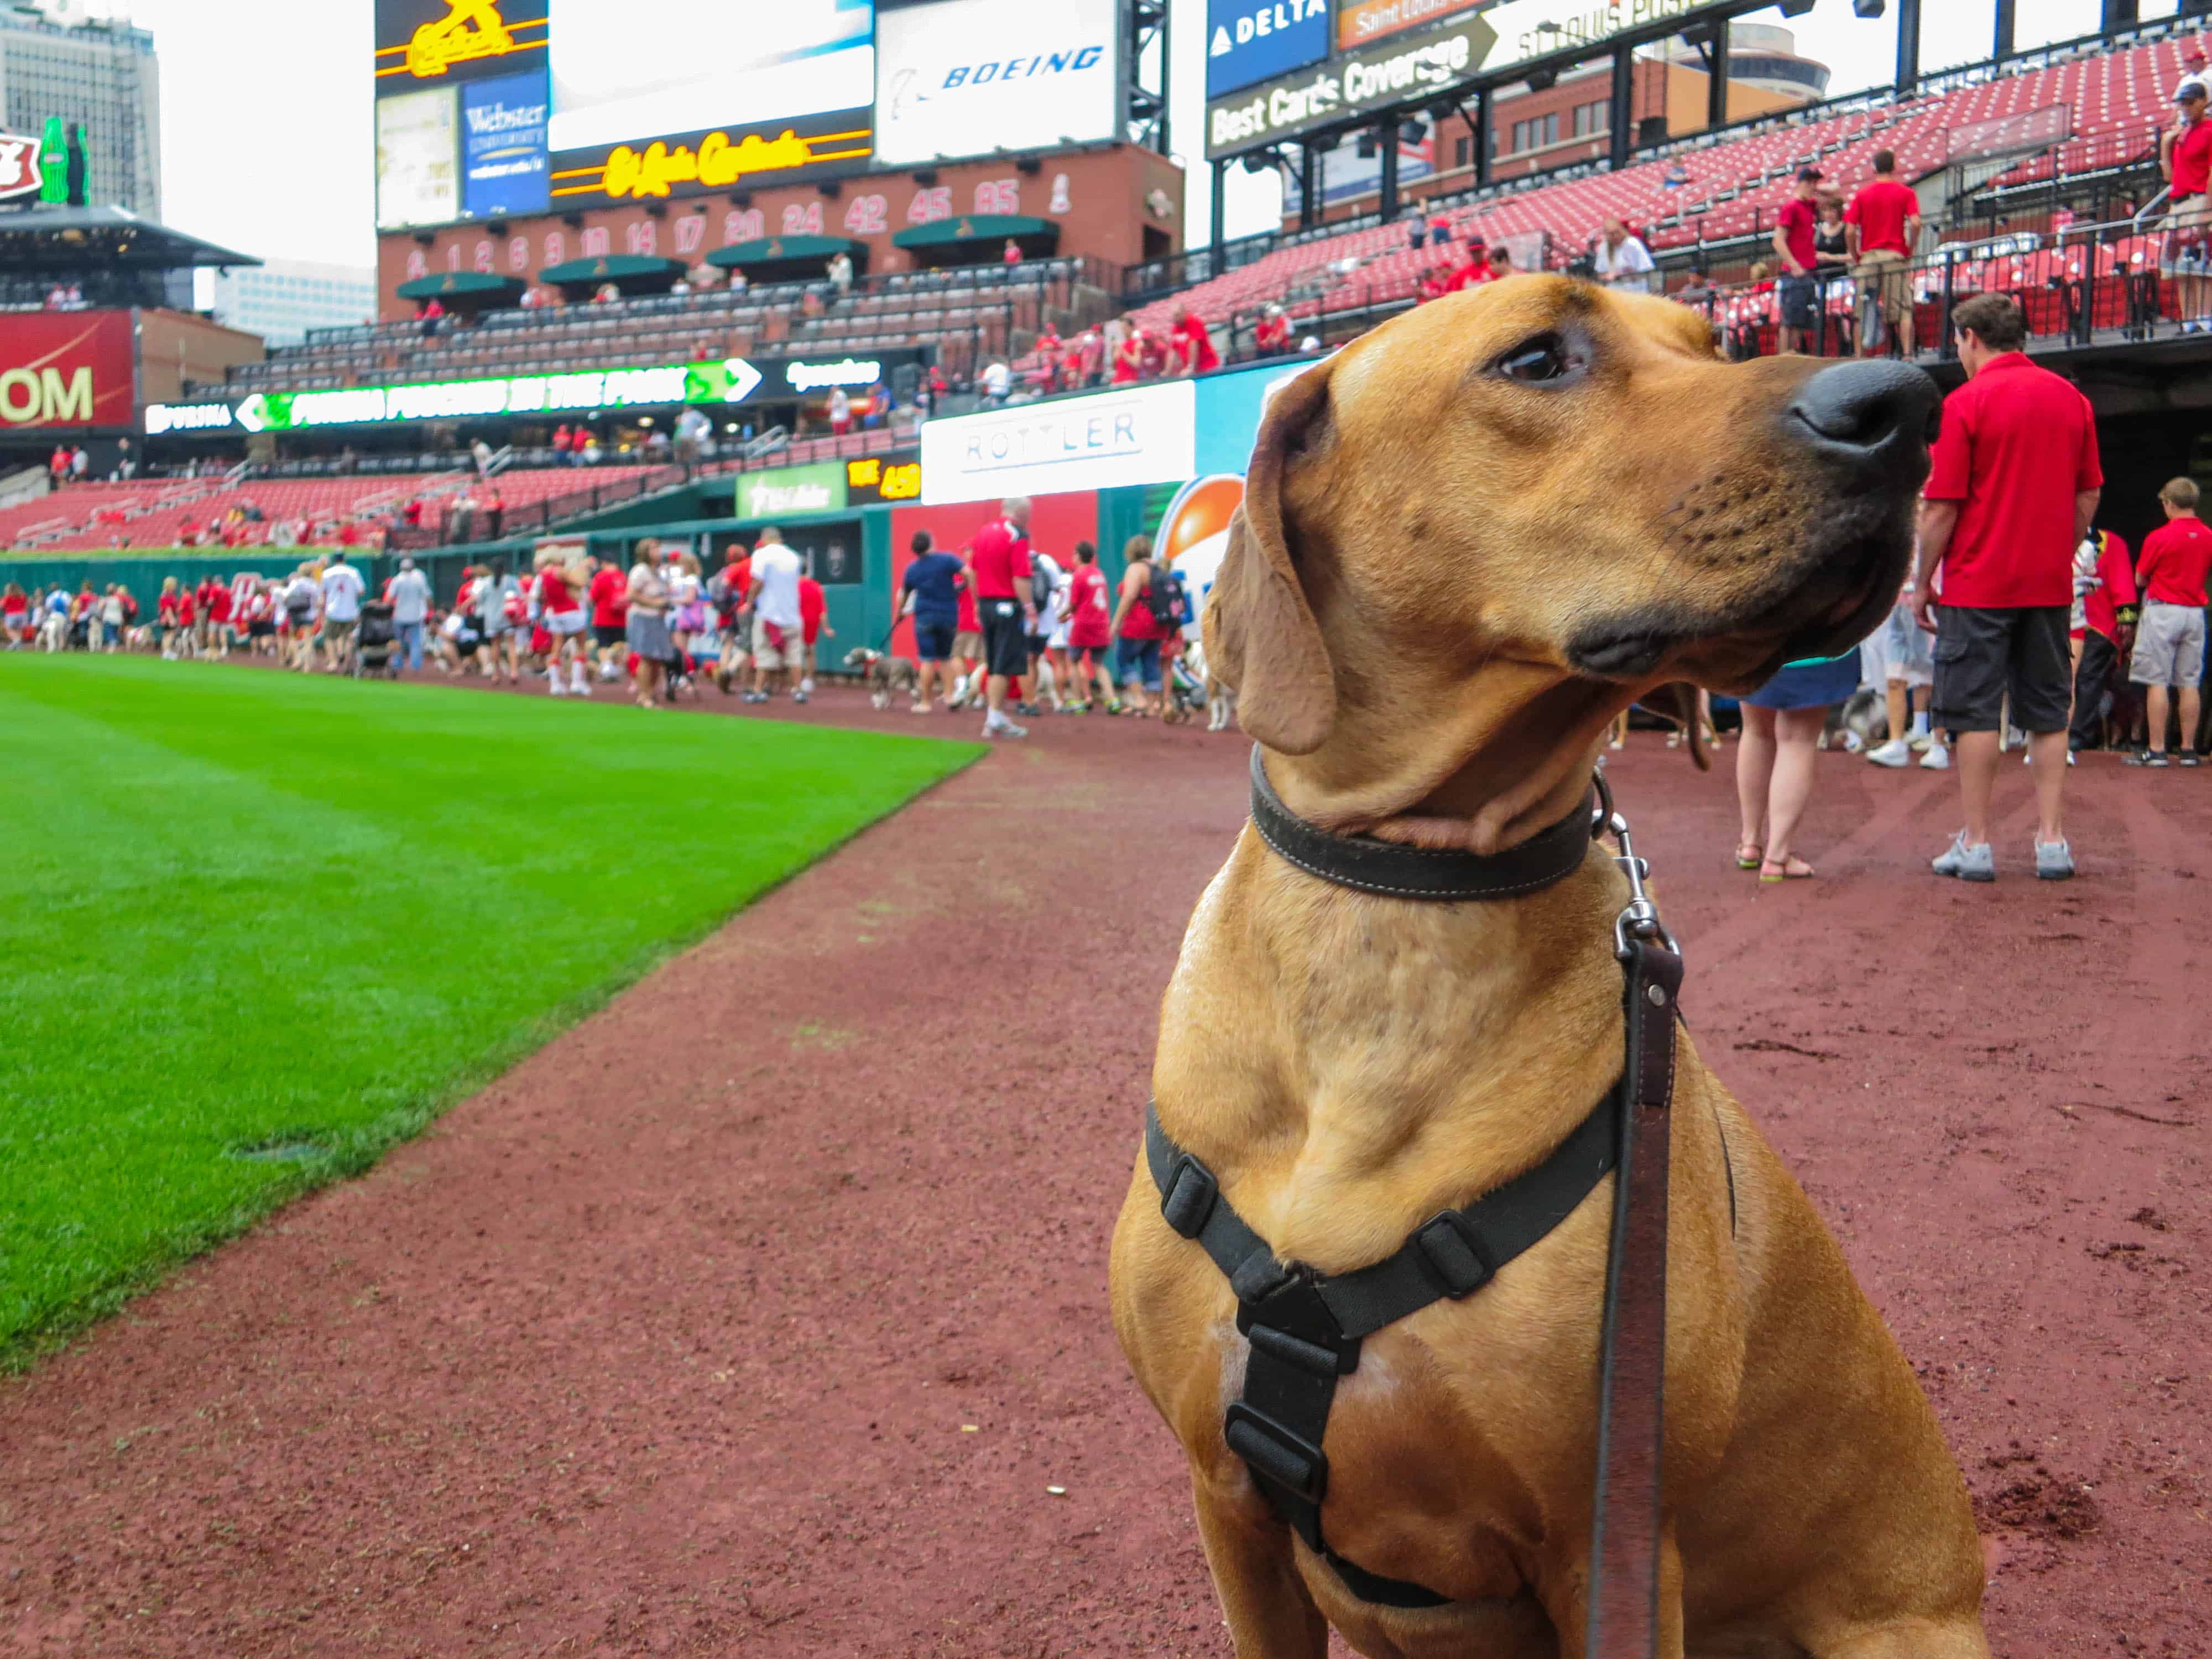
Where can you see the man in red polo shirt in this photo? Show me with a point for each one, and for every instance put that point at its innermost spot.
(1881, 228)
(2185, 156)
(999, 570)
(2170, 643)
(2012, 488)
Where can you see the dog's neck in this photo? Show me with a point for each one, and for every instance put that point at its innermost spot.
(1476, 764)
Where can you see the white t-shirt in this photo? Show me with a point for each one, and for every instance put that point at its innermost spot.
(410, 597)
(341, 593)
(775, 569)
(1617, 265)
(997, 377)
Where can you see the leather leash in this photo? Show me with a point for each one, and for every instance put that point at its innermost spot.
(1626, 1507)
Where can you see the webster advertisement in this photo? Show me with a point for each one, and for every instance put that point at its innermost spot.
(503, 145)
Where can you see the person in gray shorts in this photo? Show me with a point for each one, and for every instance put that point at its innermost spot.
(2170, 632)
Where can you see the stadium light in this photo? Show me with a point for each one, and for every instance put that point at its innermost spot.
(1867, 8)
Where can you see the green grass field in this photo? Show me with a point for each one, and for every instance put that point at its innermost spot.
(244, 911)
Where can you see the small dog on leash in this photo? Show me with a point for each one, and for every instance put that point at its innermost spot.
(1853, 723)
(1220, 699)
(884, 676)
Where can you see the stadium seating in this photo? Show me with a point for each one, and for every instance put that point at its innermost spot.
(153, 512)
(968, 313)
(2116, 99)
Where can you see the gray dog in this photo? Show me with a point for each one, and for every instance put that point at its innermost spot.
(885, 675)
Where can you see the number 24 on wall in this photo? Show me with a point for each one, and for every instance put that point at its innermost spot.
(804, 220)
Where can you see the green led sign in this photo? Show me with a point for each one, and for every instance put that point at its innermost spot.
(729, 381)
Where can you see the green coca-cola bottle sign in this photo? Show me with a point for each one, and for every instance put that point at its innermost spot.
(53, 163)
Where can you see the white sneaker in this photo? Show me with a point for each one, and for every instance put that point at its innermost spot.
(578, 685)
(807, 685)
(553, 684)
(999, 726)
(1893, 753)
(1918, 743)
(1937, 759)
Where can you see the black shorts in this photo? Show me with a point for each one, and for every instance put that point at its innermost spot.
(260, 630)
(1039, 644)
(1981, 655)
(608, 635)
(933, 640)
(1799, 297)
(1005, 639)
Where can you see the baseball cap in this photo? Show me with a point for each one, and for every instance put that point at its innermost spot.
(1809, 175)
(2190, 87)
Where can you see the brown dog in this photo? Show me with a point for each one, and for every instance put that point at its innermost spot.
(1467, 541)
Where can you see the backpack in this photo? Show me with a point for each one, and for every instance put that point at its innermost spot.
(1163, 597)
(1042, 586)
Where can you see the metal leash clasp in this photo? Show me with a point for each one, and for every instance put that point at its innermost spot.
(1640, 921)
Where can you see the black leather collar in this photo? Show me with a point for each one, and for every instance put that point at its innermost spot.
(1369, 866)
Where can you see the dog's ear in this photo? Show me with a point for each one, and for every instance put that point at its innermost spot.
(1260, 633)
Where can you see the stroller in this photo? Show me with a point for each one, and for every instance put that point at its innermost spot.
(376, 643)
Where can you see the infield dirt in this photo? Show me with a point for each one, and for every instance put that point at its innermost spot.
(760, 1312)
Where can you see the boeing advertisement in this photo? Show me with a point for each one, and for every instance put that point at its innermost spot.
(963, 77)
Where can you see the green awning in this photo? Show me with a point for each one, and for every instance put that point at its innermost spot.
(980, 227)
(470, 284)
(612, 268)
(790, 250)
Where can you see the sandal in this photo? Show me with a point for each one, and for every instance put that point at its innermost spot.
(1792, 869)
(1749, 855)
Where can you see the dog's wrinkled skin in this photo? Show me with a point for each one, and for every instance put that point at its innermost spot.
(1446, 580)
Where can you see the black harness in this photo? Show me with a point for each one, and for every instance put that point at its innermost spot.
(1305, 1328)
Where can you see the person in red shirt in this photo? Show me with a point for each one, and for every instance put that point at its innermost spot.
(1272, 337)
(1139, 635)
(2013, 486)
(608, 592)
(2104, 627)
(1199, 356)
(997, 562)
(1050, 348)
(218, 613)
(1882, 227)
(1795, 228)
(1129, 356)
(1475, 273)
(16, 617)
(1090, 633)
(2185, 156)
(166, 607)
(561, 617)
(814, 613)
(967, 649)
(2170, 637)
(203, 607)
(1151, 353)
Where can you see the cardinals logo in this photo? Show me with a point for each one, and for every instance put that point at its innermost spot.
(19, 164)
(1195, 533)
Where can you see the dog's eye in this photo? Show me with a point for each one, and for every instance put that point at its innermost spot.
(1545, 358)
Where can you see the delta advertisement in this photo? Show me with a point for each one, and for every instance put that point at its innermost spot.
(503, 152)
(961, 77)
(1248, 42)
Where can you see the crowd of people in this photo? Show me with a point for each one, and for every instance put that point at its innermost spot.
(2022, 626)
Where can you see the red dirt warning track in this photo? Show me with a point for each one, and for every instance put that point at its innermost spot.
(666, 1342)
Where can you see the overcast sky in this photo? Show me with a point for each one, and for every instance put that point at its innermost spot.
(267, 146)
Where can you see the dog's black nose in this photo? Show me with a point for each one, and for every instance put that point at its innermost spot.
(1856, 412)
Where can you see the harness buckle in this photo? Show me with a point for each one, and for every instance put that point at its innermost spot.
(1188, 1197)
(1289, 1459)
(1452, 1253)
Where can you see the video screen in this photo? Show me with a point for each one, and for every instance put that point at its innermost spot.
(623, 71)
(964, 77)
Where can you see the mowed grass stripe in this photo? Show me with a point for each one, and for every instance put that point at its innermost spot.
(245, 910)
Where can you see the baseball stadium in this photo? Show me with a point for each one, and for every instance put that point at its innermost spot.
(1390, 841)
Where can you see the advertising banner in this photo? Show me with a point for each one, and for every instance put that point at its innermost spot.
(782, 152)
(877, 478)
(1403, 69)
(67, 369)
(964, 77)
(622, 72)
(1248, 41)
(820, 488)
(445, 41)
(503, 145)
(1143, 434)
(19, 165)
(418, 169)
(1358, 22)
